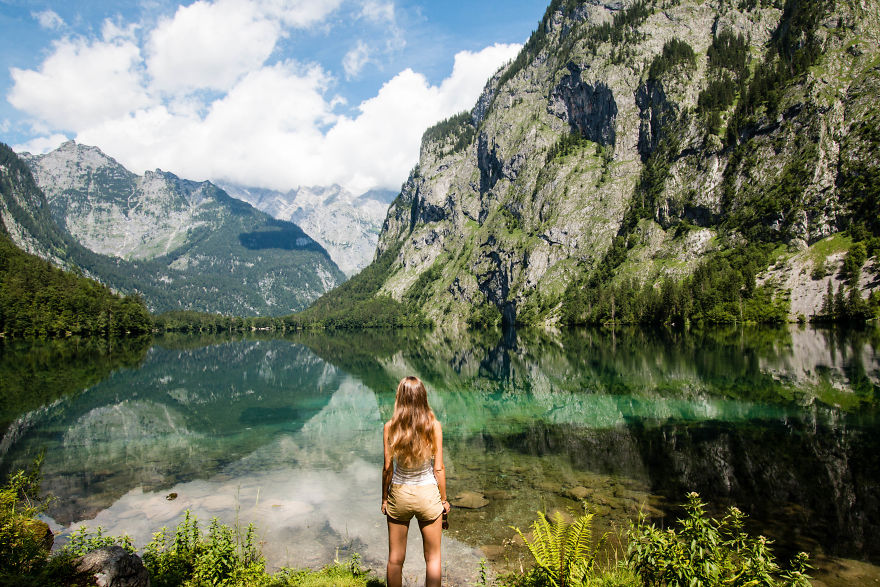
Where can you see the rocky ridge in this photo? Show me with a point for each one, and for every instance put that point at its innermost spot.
(183, 245)
(345, 224)
(510, 218)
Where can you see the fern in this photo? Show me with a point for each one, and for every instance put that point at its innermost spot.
(565, 552)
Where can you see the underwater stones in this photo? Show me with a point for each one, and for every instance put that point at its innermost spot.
(579, 493)
(470, 500)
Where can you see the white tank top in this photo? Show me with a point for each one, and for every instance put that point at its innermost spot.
(421, 475)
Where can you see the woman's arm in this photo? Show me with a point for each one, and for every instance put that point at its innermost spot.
(387, 467)
(439, 469)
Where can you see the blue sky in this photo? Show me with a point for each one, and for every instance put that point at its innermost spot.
(268, 93)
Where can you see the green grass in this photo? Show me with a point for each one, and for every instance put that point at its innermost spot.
(836, 243)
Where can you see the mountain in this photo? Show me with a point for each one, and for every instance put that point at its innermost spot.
(346, 225)
(181, 244)
(654, 161)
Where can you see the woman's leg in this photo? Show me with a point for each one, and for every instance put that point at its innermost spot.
(397, 532)
(432, 532)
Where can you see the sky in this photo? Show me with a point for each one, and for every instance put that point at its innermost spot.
(263, 93)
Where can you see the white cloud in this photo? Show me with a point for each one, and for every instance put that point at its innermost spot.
(209, 45)
(81, 83)
(299, 13)
(49, 20)
(355, 59)
(205, 101)
(378, 11)
(470, 72)
(41, 145)
(381, 144)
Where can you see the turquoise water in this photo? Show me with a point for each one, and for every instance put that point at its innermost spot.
(285, 432)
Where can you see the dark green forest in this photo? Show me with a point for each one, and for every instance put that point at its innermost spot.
(38, 299)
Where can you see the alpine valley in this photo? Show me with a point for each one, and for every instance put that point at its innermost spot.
(652, 161)
(182, 245)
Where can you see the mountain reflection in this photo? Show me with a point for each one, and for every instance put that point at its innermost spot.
(286, 432)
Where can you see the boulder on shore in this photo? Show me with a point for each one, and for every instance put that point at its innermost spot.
(113, 566)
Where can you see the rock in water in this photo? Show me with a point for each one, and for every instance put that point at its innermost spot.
(470, 500)
(113, 566)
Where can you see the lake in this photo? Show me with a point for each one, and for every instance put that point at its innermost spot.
(285, 432)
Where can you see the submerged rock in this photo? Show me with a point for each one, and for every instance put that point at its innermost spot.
(470, 500)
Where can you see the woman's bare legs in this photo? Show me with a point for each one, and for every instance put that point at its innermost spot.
(432, 532)
(397, 532)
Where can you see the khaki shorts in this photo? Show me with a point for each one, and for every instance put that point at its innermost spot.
(421, 501)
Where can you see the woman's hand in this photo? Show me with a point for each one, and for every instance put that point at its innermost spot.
(446, 507)
(385, 506)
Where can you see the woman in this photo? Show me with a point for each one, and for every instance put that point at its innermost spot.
(413, 479)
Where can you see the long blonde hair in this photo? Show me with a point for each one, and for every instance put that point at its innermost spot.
(411, 433)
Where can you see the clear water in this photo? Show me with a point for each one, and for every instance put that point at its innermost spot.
(286, 433)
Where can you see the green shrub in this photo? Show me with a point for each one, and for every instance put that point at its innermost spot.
(83, 541)
(706, 551)
(23, 547)
(564, 552)
(222, 557)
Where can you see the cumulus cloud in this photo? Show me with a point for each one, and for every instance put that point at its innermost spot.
(49, 20)
(82, 83)
(209, 45)
(41, 145)
(206, 98)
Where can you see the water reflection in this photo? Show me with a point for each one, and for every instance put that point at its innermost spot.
(285, 432)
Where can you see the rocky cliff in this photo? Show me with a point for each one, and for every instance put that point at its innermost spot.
(631, 141)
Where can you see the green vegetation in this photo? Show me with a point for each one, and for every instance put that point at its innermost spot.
(620, 31)
(795, 47)
(674, 53)
(729, 72)
(37, 299)
(701, 551)
(459, 127)
(188, 557)
(356, 303)
(706, 551)
(721, 290)
(564, 552)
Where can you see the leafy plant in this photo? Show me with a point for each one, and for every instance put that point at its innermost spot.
(564, 552)
(23, 547)
(83, 541)
(222, 557)
(706, 551)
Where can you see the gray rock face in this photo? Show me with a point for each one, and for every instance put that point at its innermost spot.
(113, 566)
(510, 222)
(589, 109)
(655, 112)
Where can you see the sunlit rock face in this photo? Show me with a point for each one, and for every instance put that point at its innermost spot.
(345, 224)
(526, 195)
